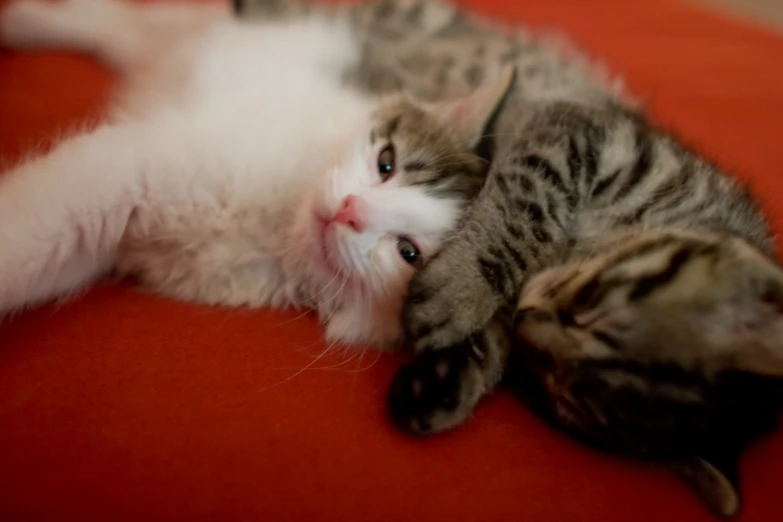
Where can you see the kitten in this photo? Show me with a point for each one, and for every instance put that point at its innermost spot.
(573, 165)
(239, 167)
(666, 345)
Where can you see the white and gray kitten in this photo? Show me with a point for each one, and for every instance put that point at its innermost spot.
(239, 167)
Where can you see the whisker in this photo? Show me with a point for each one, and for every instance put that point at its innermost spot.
(326, 286)
(337, 293)
(299, 372)
(287, 321)
(336, 367)
(378, 356)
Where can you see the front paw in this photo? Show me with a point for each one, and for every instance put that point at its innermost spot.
(447, 302)
(438, 390)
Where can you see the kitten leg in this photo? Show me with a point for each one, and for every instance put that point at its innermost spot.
(119, 33)
(508, 236)
(440, 389)
(63, 214)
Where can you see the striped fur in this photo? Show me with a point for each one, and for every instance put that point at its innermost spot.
(575, 183)
(668, 346)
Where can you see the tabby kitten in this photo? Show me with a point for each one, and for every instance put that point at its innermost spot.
(571, 164)
(666, 345)
(679, 343)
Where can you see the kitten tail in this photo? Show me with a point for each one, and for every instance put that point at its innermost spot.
(718, 488)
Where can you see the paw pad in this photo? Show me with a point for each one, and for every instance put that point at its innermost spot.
(425, 395)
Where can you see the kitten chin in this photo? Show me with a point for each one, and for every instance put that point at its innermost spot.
(350, 310)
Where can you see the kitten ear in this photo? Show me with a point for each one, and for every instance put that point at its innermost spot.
(715, 480)
(469, 116)
(743, 322)
(758, 345)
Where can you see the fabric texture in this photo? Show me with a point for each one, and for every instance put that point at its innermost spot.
(124, 406)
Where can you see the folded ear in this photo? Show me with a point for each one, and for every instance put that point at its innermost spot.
(734, 303)
(751, 329)
(715, 481)
(469, 116)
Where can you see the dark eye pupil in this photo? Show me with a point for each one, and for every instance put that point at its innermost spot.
(408, 251)
(386, 162)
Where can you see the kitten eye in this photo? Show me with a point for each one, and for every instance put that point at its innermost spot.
(408, 251)
(386, 162)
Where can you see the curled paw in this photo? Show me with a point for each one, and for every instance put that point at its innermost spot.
(447, 301)
(437, 391)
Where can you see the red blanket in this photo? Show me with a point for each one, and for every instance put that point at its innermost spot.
(126, 406)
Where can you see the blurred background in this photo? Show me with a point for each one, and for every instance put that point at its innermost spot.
(769, 12)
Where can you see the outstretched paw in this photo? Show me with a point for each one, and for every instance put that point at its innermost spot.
(438, 390)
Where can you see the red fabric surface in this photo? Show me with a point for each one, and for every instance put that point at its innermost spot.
(126, 406)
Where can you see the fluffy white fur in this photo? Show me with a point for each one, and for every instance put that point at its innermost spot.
(218, 177)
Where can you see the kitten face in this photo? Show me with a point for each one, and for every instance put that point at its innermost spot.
(398, 187)
(669, 347)
(696, 300)
(384, 208)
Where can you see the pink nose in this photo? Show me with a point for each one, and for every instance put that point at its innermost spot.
(349, 215)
